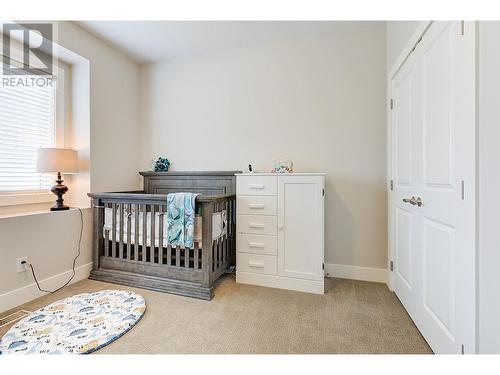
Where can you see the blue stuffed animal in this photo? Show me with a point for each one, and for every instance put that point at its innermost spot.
(161, 165)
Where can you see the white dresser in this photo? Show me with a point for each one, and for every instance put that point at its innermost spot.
(280, 230)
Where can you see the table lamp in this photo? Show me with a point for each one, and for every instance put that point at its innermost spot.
(60, 161)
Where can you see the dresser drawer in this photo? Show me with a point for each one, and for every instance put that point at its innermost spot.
(255, 224)
(257, 244)
(256, 205)
(256, 185)
(265, 264)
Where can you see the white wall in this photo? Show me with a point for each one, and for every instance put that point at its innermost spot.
(398, 34)
(113, 113)
(317, 101)
(48, 239)
(489, 187)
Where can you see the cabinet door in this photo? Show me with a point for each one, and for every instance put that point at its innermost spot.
(300, 227)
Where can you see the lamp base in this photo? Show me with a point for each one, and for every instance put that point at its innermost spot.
(59, 189)
(59, 208)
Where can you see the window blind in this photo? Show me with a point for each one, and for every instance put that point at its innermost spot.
(27, 122)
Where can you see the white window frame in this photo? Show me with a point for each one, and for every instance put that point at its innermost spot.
(60, 115)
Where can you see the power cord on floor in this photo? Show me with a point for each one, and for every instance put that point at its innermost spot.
(74, 260)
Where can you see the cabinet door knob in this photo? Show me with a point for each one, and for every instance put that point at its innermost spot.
(280, 226)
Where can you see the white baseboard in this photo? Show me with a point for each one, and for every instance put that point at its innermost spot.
(341, 271)
(28, 293)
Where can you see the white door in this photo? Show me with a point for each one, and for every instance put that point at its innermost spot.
(300, 227)
(433, 132)
(406, 90)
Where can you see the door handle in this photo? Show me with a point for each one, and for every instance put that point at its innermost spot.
(414, 201)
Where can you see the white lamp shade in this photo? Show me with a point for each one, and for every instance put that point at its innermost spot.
(53, 160)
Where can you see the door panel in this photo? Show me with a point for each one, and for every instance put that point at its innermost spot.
(404, 245)
(437, 126)
(300, 227)
(436, 285)
(405, 129)
(439, 274)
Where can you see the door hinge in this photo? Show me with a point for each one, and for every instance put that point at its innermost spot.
(462, 186)
(462, 27)
(392, 184)
(463, 349)
(323, 266)
(391, 264)
(392, 104)
(323, 192)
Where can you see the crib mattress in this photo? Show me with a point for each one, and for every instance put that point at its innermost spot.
(219, 227)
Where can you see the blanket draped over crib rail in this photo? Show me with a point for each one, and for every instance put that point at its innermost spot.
(180, 219)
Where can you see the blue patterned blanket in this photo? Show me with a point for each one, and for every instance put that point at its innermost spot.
(180, 219)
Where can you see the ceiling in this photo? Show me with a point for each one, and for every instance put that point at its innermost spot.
(149, 41)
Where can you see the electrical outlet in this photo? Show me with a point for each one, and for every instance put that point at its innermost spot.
(22, 267)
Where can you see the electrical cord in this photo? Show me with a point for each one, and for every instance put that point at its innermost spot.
(74, 260)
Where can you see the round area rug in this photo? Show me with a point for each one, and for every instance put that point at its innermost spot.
(80, 324)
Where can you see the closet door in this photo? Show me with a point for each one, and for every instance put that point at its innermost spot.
(300, 227)
(406, 166)
(434, 232)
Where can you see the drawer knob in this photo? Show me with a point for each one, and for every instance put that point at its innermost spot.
(256, 205)
(256, 225)
(256, 264)
(257, 245)
(257, 186)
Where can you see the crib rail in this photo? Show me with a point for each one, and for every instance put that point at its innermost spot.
(132, 245)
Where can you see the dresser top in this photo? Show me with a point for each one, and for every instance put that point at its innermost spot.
(281, 174)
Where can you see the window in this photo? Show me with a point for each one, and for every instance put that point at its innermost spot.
(27, 122)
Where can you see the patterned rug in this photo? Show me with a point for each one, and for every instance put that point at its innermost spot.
(80, 324)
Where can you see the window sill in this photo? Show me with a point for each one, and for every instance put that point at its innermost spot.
(16, 199)
(34, 211)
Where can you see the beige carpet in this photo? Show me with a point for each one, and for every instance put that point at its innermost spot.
(352, 317)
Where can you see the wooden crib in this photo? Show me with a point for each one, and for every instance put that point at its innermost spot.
(126, 257)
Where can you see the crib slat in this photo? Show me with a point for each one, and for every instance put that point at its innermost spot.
(136, 230)
(129, 230)
(160, 234)
(224, 249)
(169, 255)
(186, 257)
(106, 242)
(218, 252)
(120, 243)
(177, 256)
(144, 232)
(152, 239)
(113, 230)
(196, 255)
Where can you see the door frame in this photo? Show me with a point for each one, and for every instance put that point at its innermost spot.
(407, 50)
